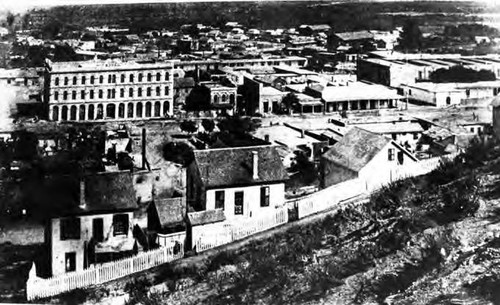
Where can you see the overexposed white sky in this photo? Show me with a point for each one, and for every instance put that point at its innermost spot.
(17, 6)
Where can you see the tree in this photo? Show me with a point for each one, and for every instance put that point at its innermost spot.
(25, 145)
(290, 101)
(239, 125)
(459, 74)
(411, 37)
(178, 152)
(208, 125)
(188, 126)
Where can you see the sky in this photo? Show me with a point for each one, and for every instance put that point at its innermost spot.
(18, 6)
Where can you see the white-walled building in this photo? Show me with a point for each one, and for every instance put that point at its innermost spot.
(245, 182)
(108, 90)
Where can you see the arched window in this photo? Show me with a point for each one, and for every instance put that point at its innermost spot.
(448, 100)
(224, 98)
(100, 94)
(148, 91)
(157, 109)
(101, 79)
(130, 110)
(91, 112)
(216, 99)
(166, 108)
(73, 113)
(91, 94)
(84, 80)
(81, 114)
(55, 113)
(158, 77)
(56, 95)
(65, 81)
(121, 110)
(74, 80)
(131, 92)
(82, 94)
(157, 91)
(65, 95)
(139, 92)
(110, 111)
(149, 77)
(92, 79)
(64, 113)
(140, 77)
(122, 78)
(113, 93)
(110, 79)
(138, 110)
(122, 92)
(73, 95)
(100, 112)
(167, 76)
(148, 109)
(56, 81)
(167, 90)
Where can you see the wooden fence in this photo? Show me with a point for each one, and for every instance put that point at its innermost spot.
(241, 229)
(41, 288)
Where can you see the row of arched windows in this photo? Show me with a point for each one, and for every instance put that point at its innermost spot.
(224, 98)
(112, 78)
(111, 93)
(110, 111)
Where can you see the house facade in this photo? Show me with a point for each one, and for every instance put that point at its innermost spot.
(372, 158)
(244, 182)
(95, 229)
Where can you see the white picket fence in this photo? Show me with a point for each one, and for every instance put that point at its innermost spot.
(231, 232)
(330, 197)
(41, 288)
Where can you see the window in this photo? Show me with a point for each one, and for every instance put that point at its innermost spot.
(264, 196)
(140, 77)
(110, 79)
(394, 136)
(91, 94)
(56, 81)
(219, 199)
(238, 203)
(70, 228)
(157, 91)
(149, 77)
(65, 81)
(391, 154)
(166, 76)
(56, 95)
(158, 77)
(139, 92)
(148, 91)
(120, 224)
(65, 95)
(97, 229)
(101, 79)
(82, 94)
(84, 80)
(122, 78)
(122, 92)
(415, 136)
(73, 95)
(448, 100)
(167, 90)
(92, 79)
(74, 80)
(131, 92)
(70, 261)
(100, 93)
(131, 78)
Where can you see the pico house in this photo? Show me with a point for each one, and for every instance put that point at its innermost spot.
(97, 228)
(243, 181)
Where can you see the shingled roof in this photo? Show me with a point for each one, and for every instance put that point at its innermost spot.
(233, 166)
(170, 211)
(109, 192)
(356, 149)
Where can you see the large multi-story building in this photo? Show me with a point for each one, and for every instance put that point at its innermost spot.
(108, 90)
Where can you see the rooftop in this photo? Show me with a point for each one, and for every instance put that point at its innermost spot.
(353, 91)
(285, 135)
(106, 65)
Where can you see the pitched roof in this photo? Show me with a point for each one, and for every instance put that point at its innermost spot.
(170, 211)
(356, 149)
(233, 166)
(347, 36)
(109, 192)
(206, 217)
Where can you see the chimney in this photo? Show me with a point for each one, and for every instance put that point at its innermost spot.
(82, 194)
(255, 166)
(143, 148)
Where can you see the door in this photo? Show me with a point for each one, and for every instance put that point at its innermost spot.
(97, 229)
(70, 261)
